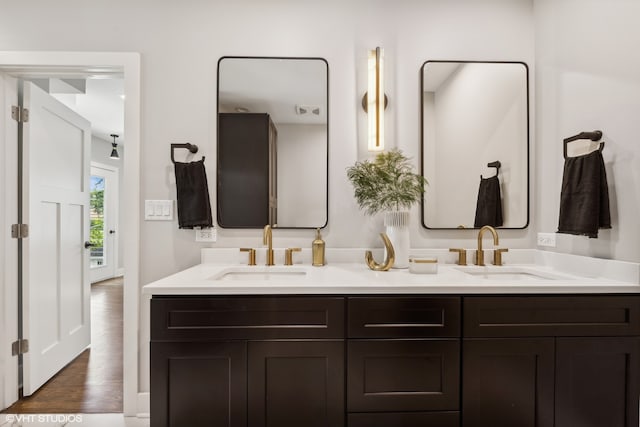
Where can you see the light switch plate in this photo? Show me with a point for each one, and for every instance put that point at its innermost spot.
(158, 210)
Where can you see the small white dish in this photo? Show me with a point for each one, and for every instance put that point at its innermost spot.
(418, 265)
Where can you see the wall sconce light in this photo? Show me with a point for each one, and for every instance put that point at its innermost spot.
(374, 101)
(114, 148)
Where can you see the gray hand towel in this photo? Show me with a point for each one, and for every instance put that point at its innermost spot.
(584, 200)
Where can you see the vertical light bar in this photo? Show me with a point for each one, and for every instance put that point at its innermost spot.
(375, 100)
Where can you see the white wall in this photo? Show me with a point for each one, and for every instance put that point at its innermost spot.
(100, 152)
(588, 77)
(180, 43)
(302, 175)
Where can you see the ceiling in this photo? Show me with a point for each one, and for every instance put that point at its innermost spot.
(102, 104)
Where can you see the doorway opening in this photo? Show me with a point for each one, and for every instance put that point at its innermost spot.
(75, 64)
(59, 141)
(104, 217)
(92, 382)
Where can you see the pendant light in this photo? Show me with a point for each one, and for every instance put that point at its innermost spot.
(114, 148)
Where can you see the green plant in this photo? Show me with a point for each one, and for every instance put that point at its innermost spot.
(386, 183)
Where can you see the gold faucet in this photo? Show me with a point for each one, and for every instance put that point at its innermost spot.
(267, 239)
(480, 252)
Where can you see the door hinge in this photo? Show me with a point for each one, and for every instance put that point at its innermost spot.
(19, 347)
(19, 114)
(19, 231)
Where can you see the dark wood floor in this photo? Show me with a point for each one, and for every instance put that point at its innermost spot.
(91, 383)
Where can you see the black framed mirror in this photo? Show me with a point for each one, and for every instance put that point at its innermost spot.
(273, 144)
(475, 144)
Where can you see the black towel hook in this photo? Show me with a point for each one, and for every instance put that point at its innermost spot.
(191, 147)
(496, 165)
(594, 136)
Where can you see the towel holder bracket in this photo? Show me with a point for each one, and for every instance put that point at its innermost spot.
(191, 147)
(595, 135)
(496, 165)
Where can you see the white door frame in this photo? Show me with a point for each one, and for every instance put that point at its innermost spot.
(113, 222)
(8, 246)
(17, 62)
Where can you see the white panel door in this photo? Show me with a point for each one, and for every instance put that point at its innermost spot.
(103, 214)
(55, 287)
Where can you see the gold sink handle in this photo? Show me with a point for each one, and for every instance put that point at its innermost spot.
(389, 260)
(497, 255)
(252, 255)
(288, 255)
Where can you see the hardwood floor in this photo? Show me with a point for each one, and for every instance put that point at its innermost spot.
(92, 382)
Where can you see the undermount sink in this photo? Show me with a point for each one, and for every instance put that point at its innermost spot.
(509, 273)
(259, 273)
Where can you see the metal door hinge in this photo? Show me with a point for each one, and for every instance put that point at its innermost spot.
(19, 347)
(19, 231)
(19, 114)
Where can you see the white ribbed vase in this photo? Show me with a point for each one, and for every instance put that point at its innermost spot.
(397, 229)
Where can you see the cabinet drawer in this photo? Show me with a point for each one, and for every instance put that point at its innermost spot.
(403, 375)
(405, 419)
(207, 318)
(551, 316)
(403, 317)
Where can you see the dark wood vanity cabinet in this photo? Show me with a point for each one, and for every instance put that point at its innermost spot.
(403, 361)
(238, 362)
(562, 361)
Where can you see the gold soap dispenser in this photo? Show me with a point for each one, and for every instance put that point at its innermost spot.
(317, 250)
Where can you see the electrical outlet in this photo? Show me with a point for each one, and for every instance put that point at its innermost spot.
(206, 234)
(547, 239)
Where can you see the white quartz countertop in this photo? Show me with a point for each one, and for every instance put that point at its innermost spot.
(355, 278)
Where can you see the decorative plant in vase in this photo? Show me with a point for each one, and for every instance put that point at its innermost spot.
(388, 184)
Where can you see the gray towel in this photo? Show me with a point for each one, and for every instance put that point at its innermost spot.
(584, 200)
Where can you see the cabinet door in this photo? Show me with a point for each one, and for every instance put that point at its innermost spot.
(508, 382)
(296, 383)
(597, 382)
(403, 375)
(198, 384)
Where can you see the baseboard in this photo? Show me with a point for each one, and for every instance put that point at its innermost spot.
(144, 405)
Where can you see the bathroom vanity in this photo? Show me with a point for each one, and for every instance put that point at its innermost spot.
(342, 345)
